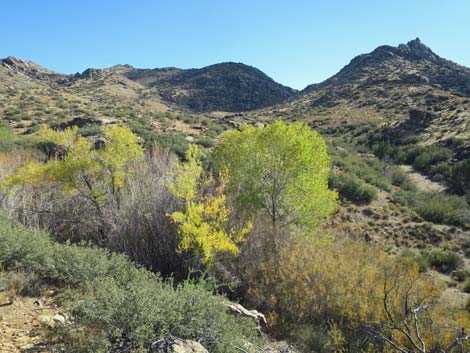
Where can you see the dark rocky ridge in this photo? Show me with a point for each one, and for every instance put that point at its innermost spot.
(227, 86)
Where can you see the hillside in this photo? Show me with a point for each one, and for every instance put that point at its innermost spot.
(407, 88)
(380, 195)
(104, 92)
(231, 87)
(398, 122)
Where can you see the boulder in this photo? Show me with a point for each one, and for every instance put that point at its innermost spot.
(438, 178)
(53, 321)
(177, 345)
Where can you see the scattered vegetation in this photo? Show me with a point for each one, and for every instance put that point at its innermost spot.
(246, 214)
(434, 207)
(444, 261)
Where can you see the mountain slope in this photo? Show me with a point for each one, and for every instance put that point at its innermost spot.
(407, 88)
(232, 87)
(411, 63)
(31, 95)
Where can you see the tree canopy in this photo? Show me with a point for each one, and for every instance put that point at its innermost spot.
(81, 165)
(281, 169)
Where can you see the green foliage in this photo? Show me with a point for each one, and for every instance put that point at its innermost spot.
(281, 169)
(203, 226)
(324, 293)
(437, 208)
(352, 188)
(82, 164)
(176, 142)
(401, 179)
(459, 179)
(116, 305)
(369, 169)
(444, 261)
(420, 259)
(431, 156)
(90, 130)
(7, 138)
(385, 150)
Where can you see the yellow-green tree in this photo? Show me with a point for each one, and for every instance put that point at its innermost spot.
(83, 169)
(204, 223)
(281, 169)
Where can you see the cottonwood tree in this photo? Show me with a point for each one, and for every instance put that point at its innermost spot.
(93, 174)
(281, 169)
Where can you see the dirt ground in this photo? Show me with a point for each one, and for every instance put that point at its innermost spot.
(21, 324)
(422, 182)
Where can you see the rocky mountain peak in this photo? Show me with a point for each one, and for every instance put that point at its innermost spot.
(16, 65)
(419, 50)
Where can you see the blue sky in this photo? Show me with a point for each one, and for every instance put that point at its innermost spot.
(296, 42)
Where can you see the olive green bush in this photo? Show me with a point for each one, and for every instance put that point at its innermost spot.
(352, 188)
(116, 306)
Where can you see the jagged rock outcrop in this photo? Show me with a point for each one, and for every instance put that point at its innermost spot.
(28, 68)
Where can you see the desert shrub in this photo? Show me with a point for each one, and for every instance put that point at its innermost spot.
(420, 259)
(459, 177)
(352, 188)
(409, 140)
(90, 130)
(369, 169)
(443, 168)
(175, 142)
(444, 261)
(460, 274)
(431, 156)
(466, 287)
(118, 305)
(412, 152)
(206, 142)
(135, 219)
(401, 179)
(437, 208)
(385, 150)
(137, 314)
(8, 140)
(316, 281)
